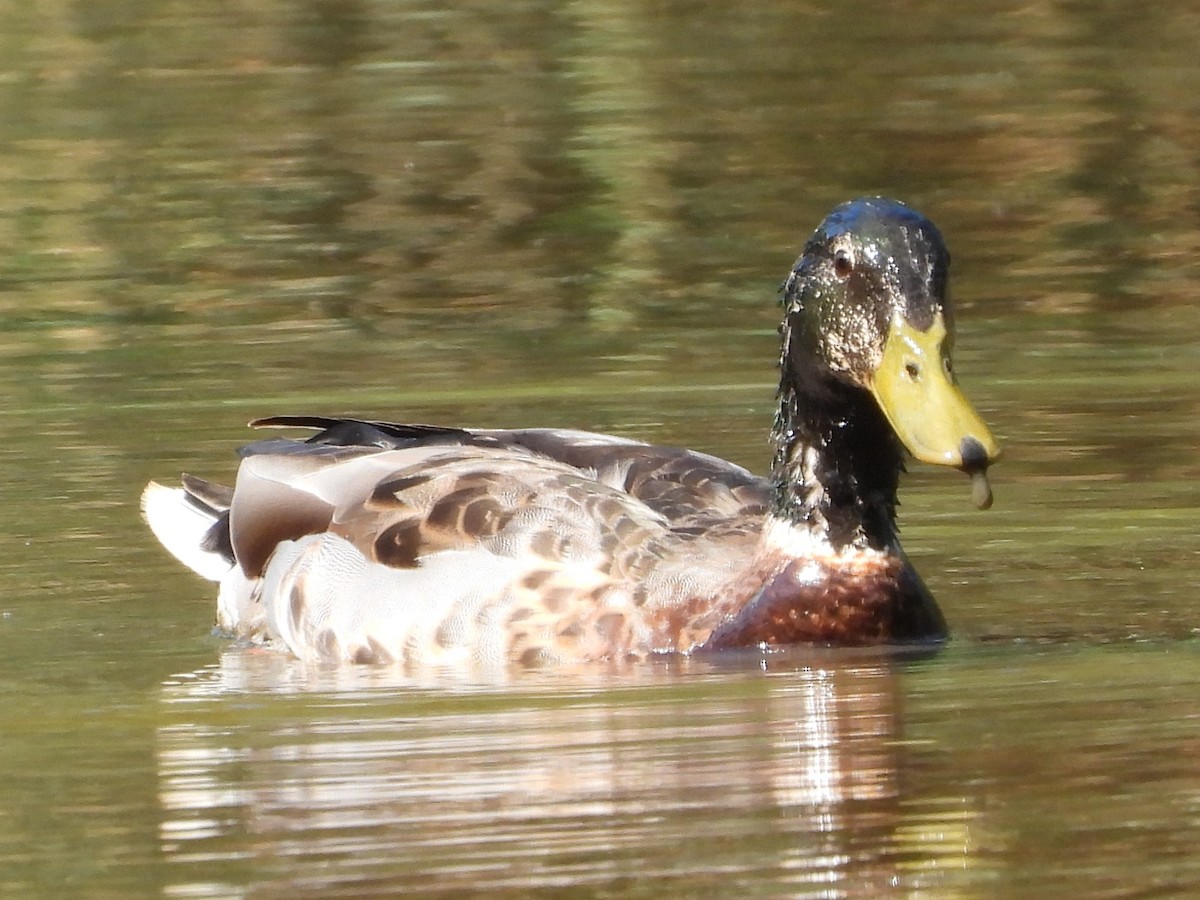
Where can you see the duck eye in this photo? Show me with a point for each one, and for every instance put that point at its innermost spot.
(843, 264)
(912, 370)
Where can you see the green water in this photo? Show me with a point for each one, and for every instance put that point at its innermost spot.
(577, 215)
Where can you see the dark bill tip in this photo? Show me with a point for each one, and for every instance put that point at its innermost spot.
(974, 456)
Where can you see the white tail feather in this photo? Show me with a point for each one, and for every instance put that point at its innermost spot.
(181, 527)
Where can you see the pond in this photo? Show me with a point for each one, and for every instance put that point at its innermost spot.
(578, 215)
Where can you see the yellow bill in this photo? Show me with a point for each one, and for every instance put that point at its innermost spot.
(915, 387)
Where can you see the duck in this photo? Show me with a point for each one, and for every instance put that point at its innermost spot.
(373, 542)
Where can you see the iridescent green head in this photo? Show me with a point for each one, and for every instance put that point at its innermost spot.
(866, 305)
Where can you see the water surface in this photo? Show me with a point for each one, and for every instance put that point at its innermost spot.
(578, 215)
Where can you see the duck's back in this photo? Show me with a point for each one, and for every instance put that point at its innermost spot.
(375, 542)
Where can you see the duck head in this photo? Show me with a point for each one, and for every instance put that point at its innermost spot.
(868, 336)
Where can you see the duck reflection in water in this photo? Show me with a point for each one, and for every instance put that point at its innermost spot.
(695, 774)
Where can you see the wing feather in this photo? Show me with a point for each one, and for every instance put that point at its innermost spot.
(376, 541)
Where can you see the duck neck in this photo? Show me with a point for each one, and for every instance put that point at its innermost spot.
(837, 463)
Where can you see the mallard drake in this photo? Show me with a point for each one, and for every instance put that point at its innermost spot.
(428, 545)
